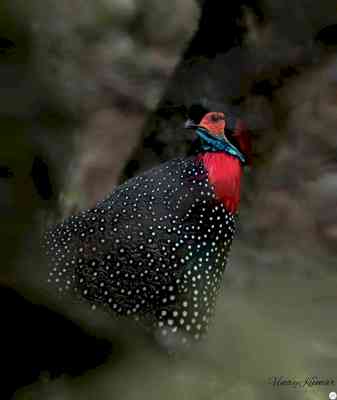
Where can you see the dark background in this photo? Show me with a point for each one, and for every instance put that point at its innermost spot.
(92, 93)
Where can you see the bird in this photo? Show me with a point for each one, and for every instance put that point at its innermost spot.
(155, 249)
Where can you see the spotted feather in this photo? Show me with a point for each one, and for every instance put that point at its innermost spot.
(155, 249)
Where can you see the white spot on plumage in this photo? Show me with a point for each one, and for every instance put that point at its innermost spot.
(193, 240)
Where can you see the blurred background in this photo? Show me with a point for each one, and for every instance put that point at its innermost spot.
(92, 93)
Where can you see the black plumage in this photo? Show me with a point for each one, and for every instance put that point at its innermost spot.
(155, 249)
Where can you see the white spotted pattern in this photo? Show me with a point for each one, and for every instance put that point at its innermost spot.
(155, 249)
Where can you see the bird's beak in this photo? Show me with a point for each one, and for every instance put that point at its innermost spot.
(190, 124)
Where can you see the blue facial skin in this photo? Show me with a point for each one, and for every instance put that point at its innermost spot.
(210, 143)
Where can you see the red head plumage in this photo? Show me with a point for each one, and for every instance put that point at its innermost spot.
(215, 123)
(232, 129)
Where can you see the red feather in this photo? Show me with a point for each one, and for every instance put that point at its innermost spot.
(224, 173)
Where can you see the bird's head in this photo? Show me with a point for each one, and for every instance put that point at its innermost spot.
(230, 129)
(213, 122)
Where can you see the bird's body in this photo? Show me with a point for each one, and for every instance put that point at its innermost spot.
(157, 247)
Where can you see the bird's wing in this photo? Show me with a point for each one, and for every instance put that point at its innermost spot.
(116, 247)
(147, 248)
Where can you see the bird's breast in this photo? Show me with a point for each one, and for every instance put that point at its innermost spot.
(224, 174)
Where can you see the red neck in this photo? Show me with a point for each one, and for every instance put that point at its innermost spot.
(224, 173)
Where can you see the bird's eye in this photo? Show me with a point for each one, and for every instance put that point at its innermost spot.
(215, 118)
